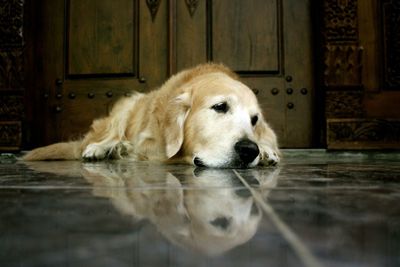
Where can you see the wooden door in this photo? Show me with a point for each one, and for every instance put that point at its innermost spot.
(88, 54)
(91, 52)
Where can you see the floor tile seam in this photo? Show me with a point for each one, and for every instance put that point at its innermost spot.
(300, 249)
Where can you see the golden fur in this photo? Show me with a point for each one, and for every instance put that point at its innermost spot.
(176, 123)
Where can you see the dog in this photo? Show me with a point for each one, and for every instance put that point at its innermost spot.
(203, 116)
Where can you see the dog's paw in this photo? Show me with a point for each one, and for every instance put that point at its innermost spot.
(120, 150)
(269, 157)
(94, 152)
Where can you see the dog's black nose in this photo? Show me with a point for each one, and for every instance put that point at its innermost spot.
(247, 150)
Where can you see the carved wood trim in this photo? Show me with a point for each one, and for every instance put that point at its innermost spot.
(11, 73)
(10, 135)
(342, 65)
(341, 23)
(342, 53)
(11, 107)
(363, 133)
(391, 43)
(344, 104)
(153, 6)
(11, 69)
(11, 23)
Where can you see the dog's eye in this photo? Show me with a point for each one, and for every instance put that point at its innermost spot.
(254, 120)
(221, 107)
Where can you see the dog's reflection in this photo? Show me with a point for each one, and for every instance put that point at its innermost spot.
(206, 210)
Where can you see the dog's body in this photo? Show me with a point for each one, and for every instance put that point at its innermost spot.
(203, 116)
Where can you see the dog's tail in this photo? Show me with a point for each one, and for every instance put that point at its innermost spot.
(58, 151)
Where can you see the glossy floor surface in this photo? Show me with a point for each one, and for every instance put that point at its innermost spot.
(315, 209)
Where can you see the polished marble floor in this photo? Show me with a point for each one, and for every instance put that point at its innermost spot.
(315, 209)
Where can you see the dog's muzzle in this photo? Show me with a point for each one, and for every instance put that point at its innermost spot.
(246, 152)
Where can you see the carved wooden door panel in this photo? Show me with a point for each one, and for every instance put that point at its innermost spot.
(268, 42)
(90, 53)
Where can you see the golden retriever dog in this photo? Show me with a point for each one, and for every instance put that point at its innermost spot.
(203, 116)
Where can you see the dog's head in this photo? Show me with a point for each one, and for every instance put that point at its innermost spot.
(218, 123)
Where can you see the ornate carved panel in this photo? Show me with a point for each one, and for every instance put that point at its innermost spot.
(341, 20)
(11, 75)
(153, 7)
(11, 21)
(10, 135)
(391, 43)
(363, 133)
(342, 65)
(11, 107)
(344, 104)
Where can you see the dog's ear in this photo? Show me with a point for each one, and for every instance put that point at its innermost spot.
(175, 117)
(267, 142)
